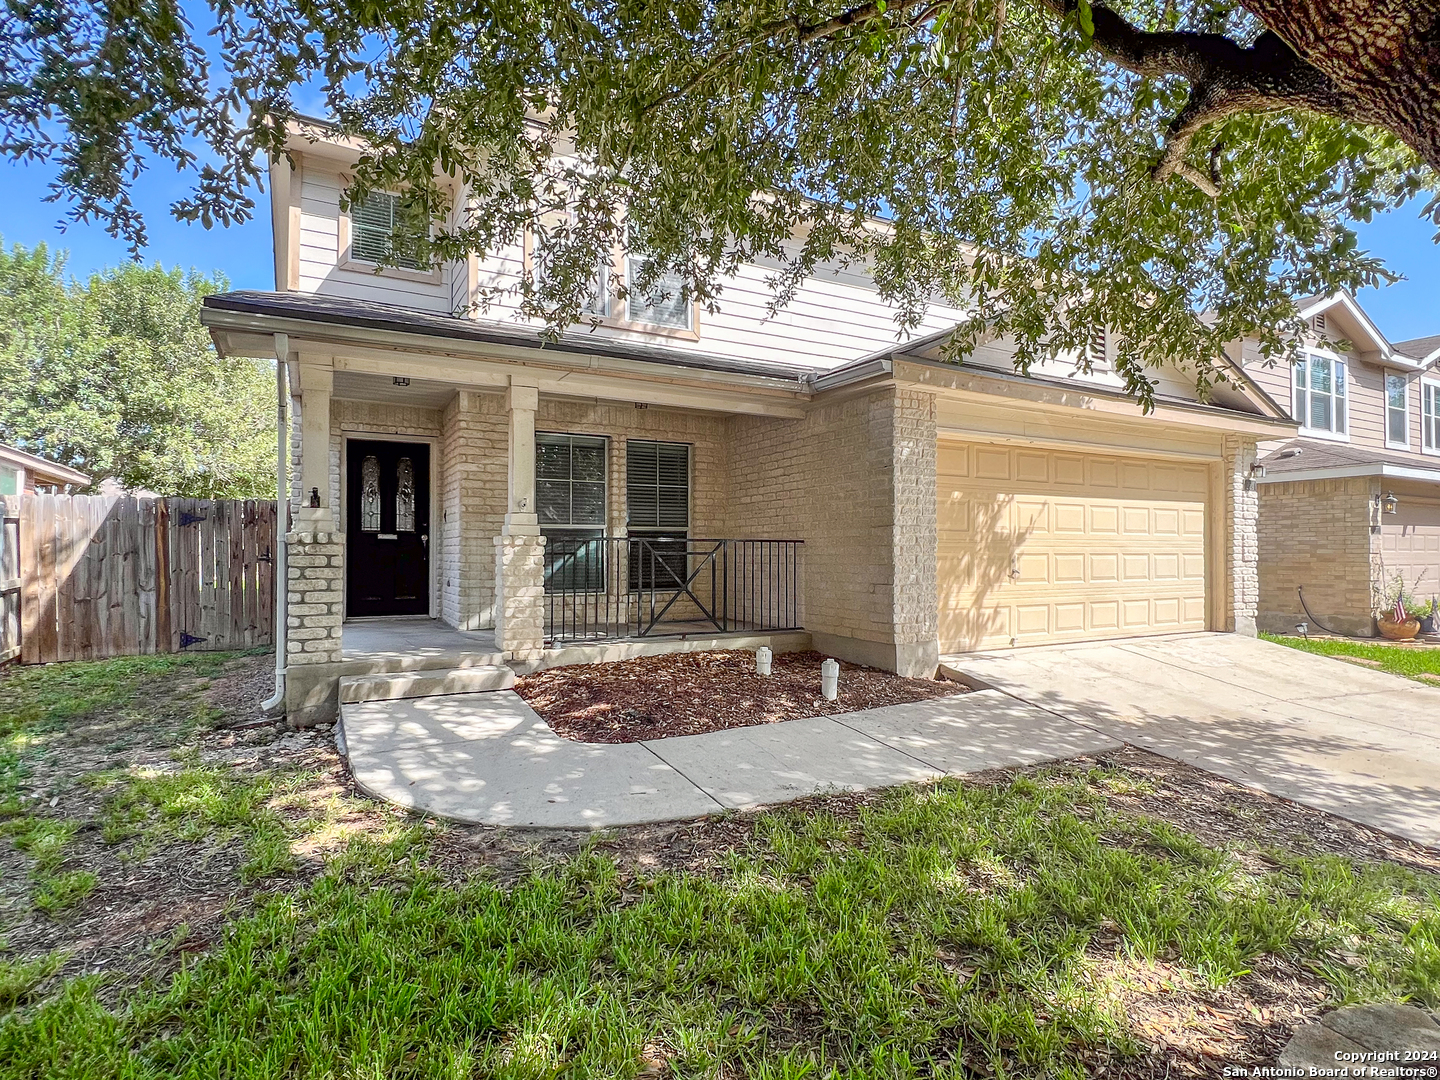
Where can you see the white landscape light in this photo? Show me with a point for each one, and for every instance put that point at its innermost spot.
(763, 656)
(830, 679)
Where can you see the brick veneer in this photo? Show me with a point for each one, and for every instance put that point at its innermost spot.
(854, 479)
(520, 596)
(1316, 534)
(1242, 547)
(314, 612)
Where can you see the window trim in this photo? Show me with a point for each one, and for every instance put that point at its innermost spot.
(1427, 381)
(1336, 360)
(1393, 444)
(348, 260)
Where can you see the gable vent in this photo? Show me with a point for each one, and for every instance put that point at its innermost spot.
(1318, 322)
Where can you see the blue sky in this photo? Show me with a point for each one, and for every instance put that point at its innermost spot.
(1410, 308)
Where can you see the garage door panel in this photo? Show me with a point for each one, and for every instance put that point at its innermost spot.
(1104, 568)
(1411, 548)
(1136, 520)
(1101, 546)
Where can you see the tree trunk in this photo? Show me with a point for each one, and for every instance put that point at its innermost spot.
(1384, 55)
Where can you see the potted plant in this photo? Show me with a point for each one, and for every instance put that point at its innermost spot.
(1397, 614)
(1427, 620)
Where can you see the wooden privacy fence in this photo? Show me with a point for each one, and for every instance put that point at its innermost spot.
(109, 576)
(10, 583)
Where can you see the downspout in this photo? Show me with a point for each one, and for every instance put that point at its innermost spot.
(276, 704)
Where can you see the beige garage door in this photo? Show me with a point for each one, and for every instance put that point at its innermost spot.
(1410, 546)
(1041, 546)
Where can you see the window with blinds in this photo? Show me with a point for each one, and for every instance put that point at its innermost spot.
(657, 499)
(570, 503)
(379, 232)
(666, 304)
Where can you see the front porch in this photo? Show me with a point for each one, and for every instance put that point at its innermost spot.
(440, 528)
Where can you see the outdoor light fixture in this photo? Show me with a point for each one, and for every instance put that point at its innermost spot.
(1303, 629)
(1391, 503)
(315, 497)
(1257, 470)
(400, 380)
(763, 659)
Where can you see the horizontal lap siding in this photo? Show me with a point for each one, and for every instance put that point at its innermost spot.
(320, 271)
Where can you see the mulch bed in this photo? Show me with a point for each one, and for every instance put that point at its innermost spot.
(660, 697)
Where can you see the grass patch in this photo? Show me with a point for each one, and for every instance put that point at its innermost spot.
(1396, 659)
(943, 931)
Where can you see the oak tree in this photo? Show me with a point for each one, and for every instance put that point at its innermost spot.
(1176, 170)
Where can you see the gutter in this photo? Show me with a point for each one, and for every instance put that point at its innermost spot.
(1383, 469)
(275, 704)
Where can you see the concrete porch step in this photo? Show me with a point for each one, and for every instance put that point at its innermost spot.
(431, 682)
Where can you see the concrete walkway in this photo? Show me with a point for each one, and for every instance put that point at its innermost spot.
(1359, 743)
(490, 759)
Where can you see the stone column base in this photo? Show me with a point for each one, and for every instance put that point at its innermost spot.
(520, 595)
(314, 611)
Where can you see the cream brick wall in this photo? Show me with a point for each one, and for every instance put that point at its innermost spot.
(854, 479)
(1242, 549)
(1316, 534)
(472, 497)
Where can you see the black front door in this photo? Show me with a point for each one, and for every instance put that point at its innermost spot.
(387, 506)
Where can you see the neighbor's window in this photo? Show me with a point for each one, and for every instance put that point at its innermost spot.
(1320, 393)
(657, 499)
(570, 503)
(1430, 414)
(1397, 410)
(380, 232)
(667, 303)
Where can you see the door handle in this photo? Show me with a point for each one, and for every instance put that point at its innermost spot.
(1014, 569)
(425, 541)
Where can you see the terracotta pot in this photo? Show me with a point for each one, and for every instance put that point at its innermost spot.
(1398, 631)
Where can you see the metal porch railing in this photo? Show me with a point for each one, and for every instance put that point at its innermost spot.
(601, 588)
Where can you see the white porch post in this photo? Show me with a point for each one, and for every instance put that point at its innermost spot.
(315, 571)
(316, 384)
(520, 549)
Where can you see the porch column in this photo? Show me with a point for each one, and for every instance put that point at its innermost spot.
(1242, 548)
(315, 572)
(520, 549)
(316, 383)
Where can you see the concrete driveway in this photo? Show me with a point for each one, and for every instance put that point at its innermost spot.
(1358, 743)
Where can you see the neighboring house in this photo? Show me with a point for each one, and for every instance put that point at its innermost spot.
(1353, 501)
(802, 471)
(26, 474)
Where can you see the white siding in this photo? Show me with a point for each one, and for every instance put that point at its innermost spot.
(835, 317)
(320, 270)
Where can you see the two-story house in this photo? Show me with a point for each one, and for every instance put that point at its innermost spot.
(1351, 505)
(676, 475)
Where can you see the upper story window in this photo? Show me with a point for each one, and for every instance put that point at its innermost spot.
(1430, 415)
(666, 304)
(1321, 394)
(380, 233)
(1397, 410)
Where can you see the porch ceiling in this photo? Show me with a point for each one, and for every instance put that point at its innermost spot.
(366, 386)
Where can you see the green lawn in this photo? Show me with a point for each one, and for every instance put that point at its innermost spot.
(1026, 926)
(1397, 659)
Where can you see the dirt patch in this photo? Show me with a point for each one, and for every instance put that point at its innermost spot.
(659, 697)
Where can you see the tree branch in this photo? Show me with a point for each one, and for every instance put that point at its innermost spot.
(1225, 78)
(804, 34)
